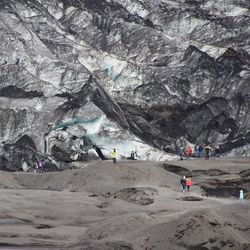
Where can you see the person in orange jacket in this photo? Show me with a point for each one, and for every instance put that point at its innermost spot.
(188, 183)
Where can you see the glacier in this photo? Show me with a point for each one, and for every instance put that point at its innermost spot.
(152, 71)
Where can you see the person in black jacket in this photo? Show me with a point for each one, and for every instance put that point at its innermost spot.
(183, 183)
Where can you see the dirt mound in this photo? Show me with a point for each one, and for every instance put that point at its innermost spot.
(201, 229)
(99, 178)
(137, 195)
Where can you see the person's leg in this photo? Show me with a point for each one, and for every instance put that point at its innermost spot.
(182, 156)
(183, 188)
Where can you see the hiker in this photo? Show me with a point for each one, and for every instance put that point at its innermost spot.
(183, 183)
(217, 151)
(189, 151)
(181, 153)
(135, 156)
(196, 150)
(200, 150)
(241, 195)
(207, 150)
(39, 166)
(188, 184)
(132, 155)
(114, 155)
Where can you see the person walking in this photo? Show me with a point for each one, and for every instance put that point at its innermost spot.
(114, 155)
(183, 183)
(188, 184)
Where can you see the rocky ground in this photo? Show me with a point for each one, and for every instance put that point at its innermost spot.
(130, 205)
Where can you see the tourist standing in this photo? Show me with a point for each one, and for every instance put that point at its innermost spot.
(39, 166)
(132, 155)
(181, 153)
(183, 183)
(189, 151)
(207, 150)
(241, 195)
(196, 150)
(135, 156)
(188, 184)
(114, 155)
(200, 150)
(217, 151)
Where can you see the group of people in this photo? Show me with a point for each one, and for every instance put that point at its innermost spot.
(114, 155)
(198, 151)
(186, 184)
(133, 155)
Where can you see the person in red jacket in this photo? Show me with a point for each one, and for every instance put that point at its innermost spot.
(189, 151)
(188, 183)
